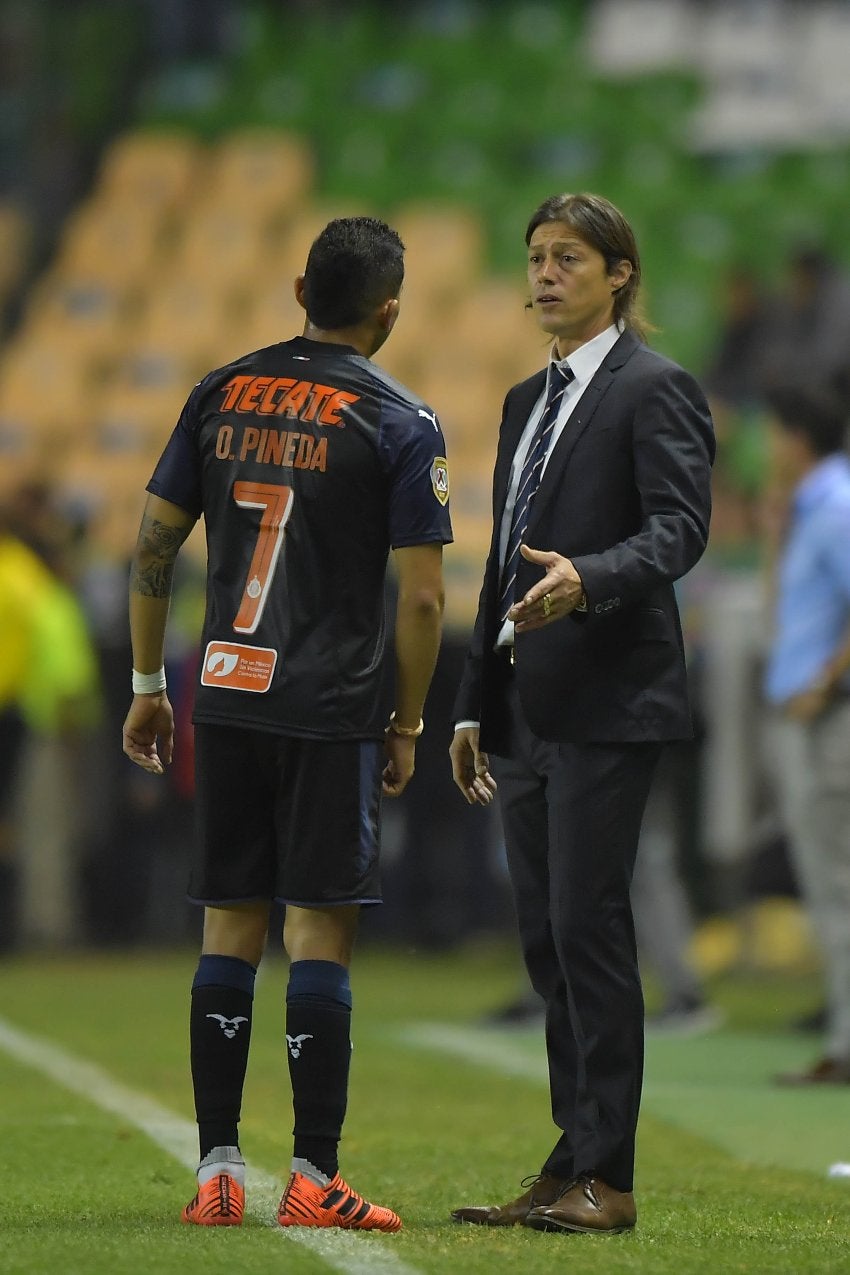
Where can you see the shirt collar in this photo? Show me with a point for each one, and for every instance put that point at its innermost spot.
(587, 359)
(819, 481)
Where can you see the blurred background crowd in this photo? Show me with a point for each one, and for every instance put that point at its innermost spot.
(164, 166)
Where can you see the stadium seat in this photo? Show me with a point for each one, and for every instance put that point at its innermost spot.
(115, 241)
(137, 420)
(467, 400)
(87, 315)
(445, 247)
(184, 312)
(46, 388)
(489, 326)
(272, 314)
(153, 169)
(265, 168)
(224, 241)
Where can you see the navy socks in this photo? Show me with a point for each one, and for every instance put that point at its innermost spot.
(318, 1021)
(220, 1033)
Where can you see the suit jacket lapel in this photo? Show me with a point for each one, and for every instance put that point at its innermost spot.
(578, 422)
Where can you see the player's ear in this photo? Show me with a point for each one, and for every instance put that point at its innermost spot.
(298, 288)
(388, 314)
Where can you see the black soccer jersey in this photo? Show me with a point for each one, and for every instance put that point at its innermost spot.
(308, 463)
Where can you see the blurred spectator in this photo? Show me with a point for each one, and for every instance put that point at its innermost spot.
(734, 375)
(52, 702)
(734, 378)
(23, 579)
(663, 919)
(808, 683)
(811, 325)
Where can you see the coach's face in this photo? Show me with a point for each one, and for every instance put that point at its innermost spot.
(572, 291)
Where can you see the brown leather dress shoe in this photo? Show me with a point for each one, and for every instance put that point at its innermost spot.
(826, 1071)
(588, 1204)
(543, 1190)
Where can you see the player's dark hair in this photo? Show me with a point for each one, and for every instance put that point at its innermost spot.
(599, 223)
(811, 410)
(354, 265)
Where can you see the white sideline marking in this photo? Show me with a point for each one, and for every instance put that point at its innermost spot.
(477, 1045)
(170, 1132)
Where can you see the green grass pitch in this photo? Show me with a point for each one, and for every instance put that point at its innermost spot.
(732, 1171)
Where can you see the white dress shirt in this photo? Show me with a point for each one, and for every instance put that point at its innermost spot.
(584, 363)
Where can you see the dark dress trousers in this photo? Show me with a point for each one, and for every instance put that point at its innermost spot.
(575, 723)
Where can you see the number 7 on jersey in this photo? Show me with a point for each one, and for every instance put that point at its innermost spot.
(275, 503)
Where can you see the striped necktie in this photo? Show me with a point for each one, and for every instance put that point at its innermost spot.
(529, 480)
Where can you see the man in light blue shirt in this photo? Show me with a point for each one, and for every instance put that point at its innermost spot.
(808, 681)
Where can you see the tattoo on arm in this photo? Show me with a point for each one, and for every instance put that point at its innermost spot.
(156, 552)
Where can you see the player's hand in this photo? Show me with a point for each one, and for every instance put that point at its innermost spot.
(150, 720)
(559, 592)
(471, 767)
(401, 752)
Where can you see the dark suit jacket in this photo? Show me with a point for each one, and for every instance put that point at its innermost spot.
(626, 496)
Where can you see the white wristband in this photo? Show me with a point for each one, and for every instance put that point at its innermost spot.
(148, 683)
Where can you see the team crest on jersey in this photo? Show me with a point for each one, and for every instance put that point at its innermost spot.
(440, 479)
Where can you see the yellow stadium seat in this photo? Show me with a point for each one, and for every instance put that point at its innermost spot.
(137, 419)
(224, 241)
(115, 241)
(489, 325)
(153, 169)
(266, 168)
(445, 247)
(87, 316)
(466, 396)
(184, 312)
(46, 387)
(272, 314)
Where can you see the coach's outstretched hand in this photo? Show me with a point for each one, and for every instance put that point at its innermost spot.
(150, 719)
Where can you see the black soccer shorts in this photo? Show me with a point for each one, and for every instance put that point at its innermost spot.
(277, 817)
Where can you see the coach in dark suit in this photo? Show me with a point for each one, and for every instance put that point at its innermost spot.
(575, 677)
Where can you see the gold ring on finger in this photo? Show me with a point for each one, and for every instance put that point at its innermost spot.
(547, 605)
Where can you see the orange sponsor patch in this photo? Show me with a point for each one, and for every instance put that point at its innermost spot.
(237, 667)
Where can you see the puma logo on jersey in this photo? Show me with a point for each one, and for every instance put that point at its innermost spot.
(432, 417)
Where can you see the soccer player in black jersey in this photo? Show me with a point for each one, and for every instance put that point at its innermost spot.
(308, 464)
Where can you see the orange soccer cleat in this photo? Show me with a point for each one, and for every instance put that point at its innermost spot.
(306, 1204)
(219, 1202)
